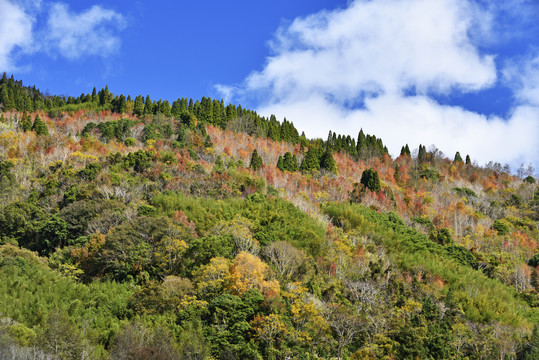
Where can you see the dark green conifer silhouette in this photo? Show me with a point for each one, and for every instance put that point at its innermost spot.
(40, 127)
(256, 161)
(290, 162)
(327, 162)
(310, 161)
(422, 154)
(138, 107)
(371, 180)
(280, 164)
(26, 122)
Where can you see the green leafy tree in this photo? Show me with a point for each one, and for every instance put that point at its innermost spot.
(229, 329)
(60, 337)
(90, 171)
(219, 165)
(531, 348)
(444, 237)
(5, 172)
(51, 235)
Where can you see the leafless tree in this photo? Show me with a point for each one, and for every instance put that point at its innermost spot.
(285, 257)
(345, 325)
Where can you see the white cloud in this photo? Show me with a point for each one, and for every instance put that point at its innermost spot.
(15, 33)
(88, 33)
(420, 120)
(523, 77)
(384, 45)
(374, 52)
(73, 35)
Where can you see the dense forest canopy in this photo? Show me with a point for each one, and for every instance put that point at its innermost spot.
(132, 228)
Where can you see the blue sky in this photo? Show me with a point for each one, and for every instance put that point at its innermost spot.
(460, 74)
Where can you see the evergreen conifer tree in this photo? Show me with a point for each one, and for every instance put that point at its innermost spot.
(327, 162)
(26, 123)
(468, 160)
(422, 154)
(280, 164)
(230, 112)
(165, 108)
(295, 162)
(104, 96)
(361, 143)
(397, 174)
(288, 162)
(256, 161)
(138, 108)
(310, 161)
(371, 180)
(40, 127)
(148, 106)
(405, 150)
(207, 142)
(121, 105)
(458, 158)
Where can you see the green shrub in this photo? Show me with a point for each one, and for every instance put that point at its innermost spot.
(129, 141)
(502, 226)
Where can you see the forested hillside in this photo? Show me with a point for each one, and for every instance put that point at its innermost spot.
(132, 228)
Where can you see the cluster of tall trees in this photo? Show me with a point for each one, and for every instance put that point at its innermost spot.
(15, 96)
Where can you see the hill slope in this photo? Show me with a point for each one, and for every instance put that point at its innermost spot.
(140, 229)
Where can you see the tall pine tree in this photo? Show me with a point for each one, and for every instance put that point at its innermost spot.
(256, 161)
(40, 127)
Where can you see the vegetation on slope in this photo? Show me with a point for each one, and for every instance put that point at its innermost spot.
(132, 228)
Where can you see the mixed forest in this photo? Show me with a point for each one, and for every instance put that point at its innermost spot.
(132, 228)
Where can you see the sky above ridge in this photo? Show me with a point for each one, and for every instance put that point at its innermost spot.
(460, 74)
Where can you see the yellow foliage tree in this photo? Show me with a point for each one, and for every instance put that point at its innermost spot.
(248, 272)
(213, 277)
(269, 329)
(168, 253)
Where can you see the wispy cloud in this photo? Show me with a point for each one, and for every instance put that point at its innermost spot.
(523, 76)
(92, 32)
(388, 58)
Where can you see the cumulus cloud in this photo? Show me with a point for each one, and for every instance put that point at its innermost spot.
(388, 58)
(373, 46)
(15, 33)
(91, 32)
